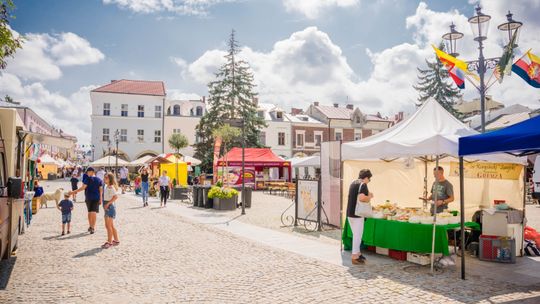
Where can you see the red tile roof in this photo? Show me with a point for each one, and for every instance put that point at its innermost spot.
(137, 87)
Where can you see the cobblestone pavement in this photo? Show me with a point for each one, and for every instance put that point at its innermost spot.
(164, 258)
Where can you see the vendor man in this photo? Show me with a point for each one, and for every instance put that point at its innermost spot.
(445, 191)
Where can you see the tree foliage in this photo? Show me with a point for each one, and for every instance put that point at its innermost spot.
(8, 42)
(434, 82)
(231, 96)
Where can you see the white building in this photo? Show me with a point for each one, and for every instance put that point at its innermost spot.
(134, 108)
(277, 134)
(182, 117)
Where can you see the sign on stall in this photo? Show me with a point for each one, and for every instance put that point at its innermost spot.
(487, 170)
(307, 199)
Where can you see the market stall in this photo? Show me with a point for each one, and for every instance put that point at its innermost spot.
(402, 159)
(520, 139)
(261, 166)
(305, 167)
(172, 165)
(109, 161)
(47, 166)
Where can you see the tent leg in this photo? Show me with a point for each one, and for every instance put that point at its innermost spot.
(434, 208)
(462, 215)
(524, 206)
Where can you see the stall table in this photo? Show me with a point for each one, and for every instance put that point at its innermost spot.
(403, 236)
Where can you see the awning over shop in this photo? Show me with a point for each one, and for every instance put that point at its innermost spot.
(50, 140)
(259, 157)
(141, 161)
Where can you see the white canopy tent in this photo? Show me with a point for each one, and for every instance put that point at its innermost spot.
(141, 161)
(109, 161)
(304, 166)
(46, 159)
(399, 157)
(192, 161)
(310, 161)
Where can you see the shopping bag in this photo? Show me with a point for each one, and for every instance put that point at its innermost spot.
(363, 209)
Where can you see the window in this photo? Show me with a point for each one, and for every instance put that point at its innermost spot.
(158, 112)
(140, 135)
(106, 135)
(318, 139)
(176, 110)
(140, 112)
(300, 140)
(358, 119)
(176, 131)
(261, 114)
(123, 135)
(357, 135)
(279, 115)
(199, 111)
(157, 136)
(106, 109)
(281, 139)
(124, 110)
(338, 135)
(262, 138)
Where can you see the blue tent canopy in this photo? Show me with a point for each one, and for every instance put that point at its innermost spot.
(518, 139)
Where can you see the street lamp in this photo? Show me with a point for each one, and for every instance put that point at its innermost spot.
(240, 122)
(479, 25)
(116, 139)
(93, 152)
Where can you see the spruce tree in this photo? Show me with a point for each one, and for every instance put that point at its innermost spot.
(435, 82)
(230, 96)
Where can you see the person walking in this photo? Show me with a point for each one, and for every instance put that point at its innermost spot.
(110, 197)
(164, 183)
(75, 182)
(124, 181)
(358, 191)
(94, 196)
(144, 186)
(101, 174)
(66, 206)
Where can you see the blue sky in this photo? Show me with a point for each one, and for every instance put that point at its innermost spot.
(356, 51)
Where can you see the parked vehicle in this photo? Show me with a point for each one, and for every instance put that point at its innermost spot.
(11, 186)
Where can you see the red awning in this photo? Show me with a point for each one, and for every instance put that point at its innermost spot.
(253, 157)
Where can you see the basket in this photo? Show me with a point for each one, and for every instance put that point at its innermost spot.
(398, 255)
(497, 249)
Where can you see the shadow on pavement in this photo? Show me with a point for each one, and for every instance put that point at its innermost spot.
(140, 207)
(52, 237)
(88, 253)
(6, 268)
(75, 236)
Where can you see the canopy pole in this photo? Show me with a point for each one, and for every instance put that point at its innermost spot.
(434, 210)
(425, 182)
(524, 205)
(462, 214)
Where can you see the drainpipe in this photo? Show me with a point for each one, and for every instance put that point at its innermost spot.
(163, 126)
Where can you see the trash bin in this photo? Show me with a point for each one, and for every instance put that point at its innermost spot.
(204, 197)
(247, 196)
(200, 197)
(195, 195)
(51, 176)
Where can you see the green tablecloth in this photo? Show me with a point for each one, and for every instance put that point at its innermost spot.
(403, 236)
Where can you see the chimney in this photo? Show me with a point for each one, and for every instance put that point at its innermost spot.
(296, 111)
(204, 99)
(316, 103)
(336, 105)
(350, 107)
(114, 80)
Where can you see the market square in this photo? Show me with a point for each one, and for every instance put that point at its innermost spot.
(201, 152)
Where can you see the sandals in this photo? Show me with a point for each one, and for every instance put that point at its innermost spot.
(107, 245)
(115, 243)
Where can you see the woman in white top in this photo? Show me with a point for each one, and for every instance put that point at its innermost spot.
(164, 184)
(110, 196)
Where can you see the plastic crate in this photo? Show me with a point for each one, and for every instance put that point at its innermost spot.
(497, 249)
(418, 258)
(398, 255)
(380, 250)
(370, 248)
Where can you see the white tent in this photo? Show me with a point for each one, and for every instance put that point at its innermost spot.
(141, 161)
(191, 160)
(46, 159)
(108, 161)
(310, 161)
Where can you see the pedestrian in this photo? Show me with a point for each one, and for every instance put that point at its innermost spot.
(110, 197)
(66, 206)
(164, 183)
(124, 181)
(144, 186)
(358, 191)
(75, 182)
(94, 196)
(101, 174)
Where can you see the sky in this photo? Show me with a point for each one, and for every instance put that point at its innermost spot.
(332, 51)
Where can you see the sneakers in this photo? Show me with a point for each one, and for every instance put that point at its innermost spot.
(63, 233)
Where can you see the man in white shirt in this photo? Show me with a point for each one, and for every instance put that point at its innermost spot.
(124, 178)
(101, 174)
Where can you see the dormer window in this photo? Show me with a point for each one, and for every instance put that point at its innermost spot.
(279, 115)
(358, 120)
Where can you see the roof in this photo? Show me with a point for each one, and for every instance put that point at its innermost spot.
(262, 156)
(507, 120)
(377, 118)
(474, 105)
(475, 121)
(270, 111)
(137, 87)
(335, 113)
(303, 118)
(521, 137)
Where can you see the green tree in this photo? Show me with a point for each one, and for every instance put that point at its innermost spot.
(8, 42)
(178, 141)
(227, 134)
(434, 82)
(231, 96)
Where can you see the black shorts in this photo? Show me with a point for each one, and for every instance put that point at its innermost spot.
(92, 205)
(74, 184)
(124, 181)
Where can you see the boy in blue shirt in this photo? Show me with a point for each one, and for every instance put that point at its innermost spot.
(66, 206)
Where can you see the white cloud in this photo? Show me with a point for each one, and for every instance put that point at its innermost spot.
(70, 49)
(313, 8)
(180, 7)
(42, 55)
(175, 94)
(69, 113)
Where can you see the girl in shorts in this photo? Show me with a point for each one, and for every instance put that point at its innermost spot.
(109, 198)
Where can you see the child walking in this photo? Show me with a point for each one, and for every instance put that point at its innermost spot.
(109, 198)
(66, 206)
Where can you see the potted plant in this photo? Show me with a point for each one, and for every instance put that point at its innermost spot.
(224, 198)
(178, 141)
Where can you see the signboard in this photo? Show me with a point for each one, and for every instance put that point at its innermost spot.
(257, 164)
(233, 175)
(487, 170)
(307, 199)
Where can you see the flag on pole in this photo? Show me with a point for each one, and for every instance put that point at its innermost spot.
(505, 63)
(456, 68)
(528, 68)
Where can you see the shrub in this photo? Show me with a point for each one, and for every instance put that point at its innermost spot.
(224, 193)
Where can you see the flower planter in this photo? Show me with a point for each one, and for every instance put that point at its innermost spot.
(225, 203)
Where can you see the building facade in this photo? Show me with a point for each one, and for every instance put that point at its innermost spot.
(183, 116)
(130, 111)
(277, 133)
(307, 134)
